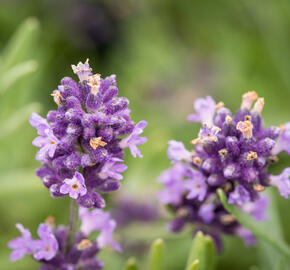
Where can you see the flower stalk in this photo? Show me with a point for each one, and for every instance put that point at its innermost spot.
(71, 225)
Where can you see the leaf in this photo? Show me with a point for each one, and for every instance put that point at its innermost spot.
(194, 265)
(202, 255)
(17, 119)
(20, 44)
(261, 230)
(131, 264)
(269, 257)
(18, 71)
(157, 255)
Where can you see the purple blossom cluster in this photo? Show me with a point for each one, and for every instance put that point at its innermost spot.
(82, 142)
(50, 249)
(231, 152)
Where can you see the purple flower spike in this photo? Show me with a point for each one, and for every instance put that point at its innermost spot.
(75, 187)
(87, 133)
(113, 169)
(21, 245)
(239, 196)
(177, 152)
(232, 152)
(133, 140)
(47, 246)
(205, 110)
(282, 182)
(283, 143)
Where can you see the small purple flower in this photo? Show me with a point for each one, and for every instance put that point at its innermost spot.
(239, 196)
(257, 208)
(282, 182)
(113, 169)
(205, 110)
(82, 70)
(133, 140)
(46, 141)
(21, 245)
(75, 187)
(177, 152)
(105, 238)
(283, 143)
(196, 186)
(98, 220)
(206, 212)
(208, 134)
(246, 235)
(172, 179)
(47, 246)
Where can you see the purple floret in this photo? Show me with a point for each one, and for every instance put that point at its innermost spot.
(81, 143)
(231, 152)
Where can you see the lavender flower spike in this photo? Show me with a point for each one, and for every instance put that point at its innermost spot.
(133, 140)
(75, 187)
(22, 245)
(85, 134)
(233, 153)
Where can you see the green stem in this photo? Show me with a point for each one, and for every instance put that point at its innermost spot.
(71, 226)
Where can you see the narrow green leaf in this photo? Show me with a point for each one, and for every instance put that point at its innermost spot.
(194, 265)
(202, 254)
(18, 118)
(261, 230)
(131, 264)
(20, 45)
(157, 255)
(12, 75)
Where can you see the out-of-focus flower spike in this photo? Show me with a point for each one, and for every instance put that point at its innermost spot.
(248, 99)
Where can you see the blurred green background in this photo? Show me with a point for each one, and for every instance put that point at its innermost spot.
(165, 54)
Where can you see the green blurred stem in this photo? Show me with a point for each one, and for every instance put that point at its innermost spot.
(71, 225)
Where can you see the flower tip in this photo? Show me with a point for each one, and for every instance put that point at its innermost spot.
(248, 99)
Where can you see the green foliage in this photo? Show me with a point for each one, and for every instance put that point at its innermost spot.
(131, 264)
(202, 255)
(157, 255)
(263, 231)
